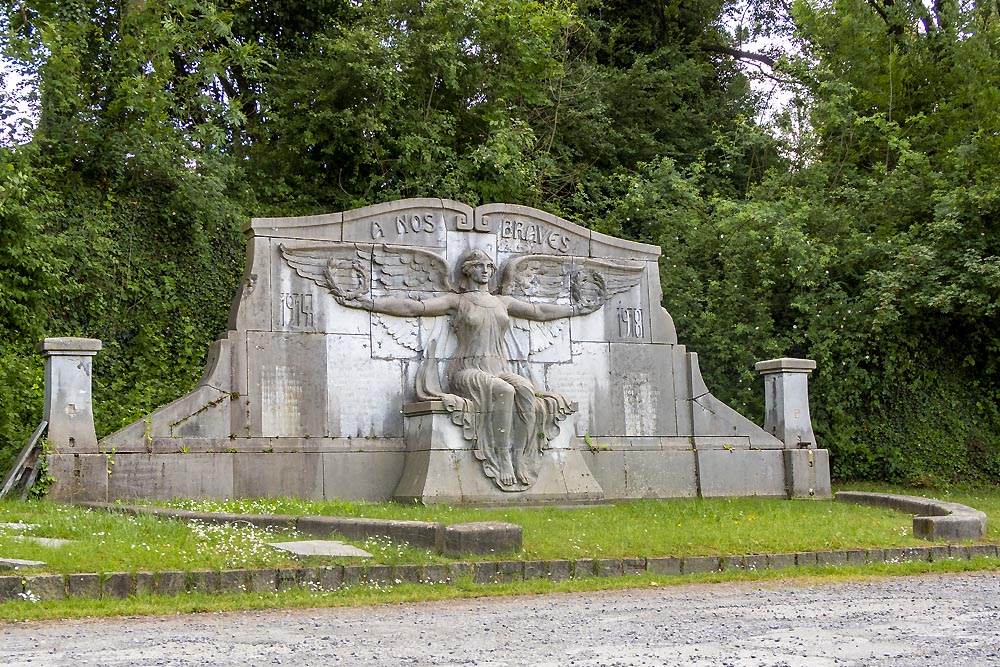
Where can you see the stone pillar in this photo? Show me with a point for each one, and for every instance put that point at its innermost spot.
(786, 408)
(68, 405)
(786, 401)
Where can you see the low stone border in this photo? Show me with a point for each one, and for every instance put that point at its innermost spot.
(125, 584)
(484, 537)
(933, 519)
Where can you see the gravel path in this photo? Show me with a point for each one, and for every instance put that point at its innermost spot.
(950, 620)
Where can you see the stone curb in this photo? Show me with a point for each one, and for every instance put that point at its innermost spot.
(117, 585)
(481, 538)
(933, 519)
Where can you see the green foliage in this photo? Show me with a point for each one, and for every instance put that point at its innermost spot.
(860, 230)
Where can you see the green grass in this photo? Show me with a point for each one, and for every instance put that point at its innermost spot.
(689, 527)
(113, 542)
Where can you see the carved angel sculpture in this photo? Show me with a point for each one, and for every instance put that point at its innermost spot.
(509, 419)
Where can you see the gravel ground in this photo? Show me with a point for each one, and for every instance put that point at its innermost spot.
(950, 620)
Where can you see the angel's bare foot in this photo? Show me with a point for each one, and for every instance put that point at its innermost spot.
(506, 473)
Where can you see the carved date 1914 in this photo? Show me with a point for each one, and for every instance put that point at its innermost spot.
(297, 310)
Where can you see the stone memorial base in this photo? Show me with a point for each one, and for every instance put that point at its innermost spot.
(441, 466)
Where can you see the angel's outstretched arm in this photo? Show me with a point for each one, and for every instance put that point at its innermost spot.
(543, 312)
(390, 305)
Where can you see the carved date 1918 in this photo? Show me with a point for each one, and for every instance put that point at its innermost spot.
(297, 310)
(630, 322)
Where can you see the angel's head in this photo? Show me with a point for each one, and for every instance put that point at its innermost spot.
(477, 268)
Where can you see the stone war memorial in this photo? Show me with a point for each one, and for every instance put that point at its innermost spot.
(424, 351)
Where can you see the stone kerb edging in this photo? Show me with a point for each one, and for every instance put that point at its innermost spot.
(330, 578)
(933, 519)
(482, 537)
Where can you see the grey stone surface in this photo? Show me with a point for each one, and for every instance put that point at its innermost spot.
(10, 587)
(780, 561)
(51, 542)
(304, 548)
(344, 320)
(482, 537)
(416, 533)
(584, 567)
(205, 581)
(84, 585)
(700, 564)
(807, 473)
(172, 583)
(536, 569)
(733, 472)
(560, 570)
(262, 581)
(18, 563)
(786, 400)
(233, 581)
(46, 586)
(434, 574)
(666, 565)
(935, 520)
(68, 394)
(608, 567)
(116, 585)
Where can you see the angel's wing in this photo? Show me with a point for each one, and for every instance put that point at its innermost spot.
(417, 272)
(352, 269)
(551, 278)
(344, 269)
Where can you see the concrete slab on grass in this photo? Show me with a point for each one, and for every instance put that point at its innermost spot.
(321, 548)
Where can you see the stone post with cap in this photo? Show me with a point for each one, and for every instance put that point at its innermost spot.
(786, 416)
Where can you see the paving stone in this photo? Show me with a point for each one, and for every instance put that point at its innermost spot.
(145, 583)
(536, 569)
(938, 553)
(856, 557)
(875, 556)
(461, 570)
(46, 586)
(583, 567)
(633, 567)
(831, 558)
(407, 574)
(484, 573)
(263, 581)
(353, 574)
(733, 563)
(958, 552)
(755, 562)
(233, 581)
(917, 554)
(780, 561)
(700, 564)
(560, 570)
(286, 578)
(434, 574)
(171, 582)
(806, 559)
(85, 585)
(10, 588)
(379, 574)
(304, 548)
(18, 563)
(609, 567)
(205, 581)
(893, 555)
(509, 571)
(667, 565)
(982, 551)
(116, 585)
(332, 577)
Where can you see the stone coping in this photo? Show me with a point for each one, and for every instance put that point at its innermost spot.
(483, 537)
(328, 578)
(933, 519)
